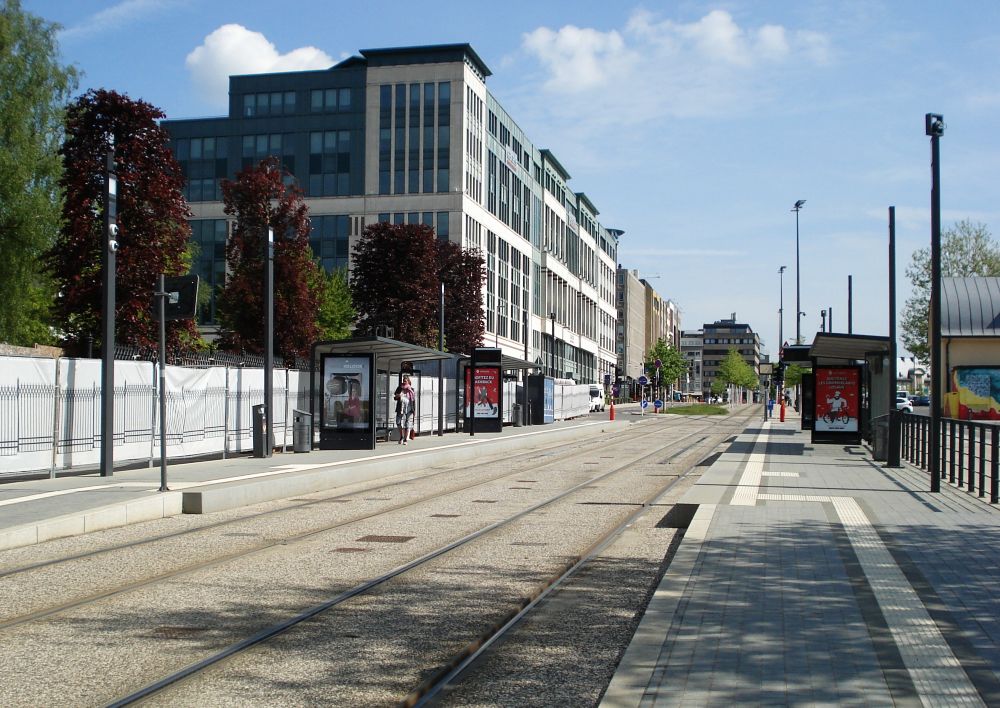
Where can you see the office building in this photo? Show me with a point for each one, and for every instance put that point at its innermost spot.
(717, 339)
(412, 135)
(691, 350)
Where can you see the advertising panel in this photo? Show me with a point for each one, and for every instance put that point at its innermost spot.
(838, 393)
(346, 393)
(975, 393)
(549, 401)
(485, 392)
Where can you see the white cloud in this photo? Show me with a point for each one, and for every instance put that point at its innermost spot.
(117, 16)
(233, 49)
(657, 68)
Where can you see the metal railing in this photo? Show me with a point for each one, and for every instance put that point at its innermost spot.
(969, 452)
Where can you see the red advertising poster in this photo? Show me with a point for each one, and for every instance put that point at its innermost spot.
(485, 392)
(837, 394)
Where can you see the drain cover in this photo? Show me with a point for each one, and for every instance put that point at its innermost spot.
(349, 550)
(386, 539)
(445, 516)
(484, 501)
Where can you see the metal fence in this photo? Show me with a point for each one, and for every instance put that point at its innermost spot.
(969, 452)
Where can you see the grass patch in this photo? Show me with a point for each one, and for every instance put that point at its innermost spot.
(698, 409)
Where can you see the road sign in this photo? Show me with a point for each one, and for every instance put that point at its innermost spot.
(643, 381)
(615, 390)
(658, 363)
(645, 403)
(658, 403)
(607, 379)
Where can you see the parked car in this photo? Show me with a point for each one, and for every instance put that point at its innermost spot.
(921, 400)
(903, 403)
(596, 398)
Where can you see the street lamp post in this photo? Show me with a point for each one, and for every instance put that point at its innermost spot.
(268, 341)
(934, 128)
(108, 314)
(552, 356)
(781, 307)
(798, 292)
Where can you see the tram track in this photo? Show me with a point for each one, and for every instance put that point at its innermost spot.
(273, 542)
(444, 673)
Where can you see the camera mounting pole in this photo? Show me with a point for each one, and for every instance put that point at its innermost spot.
(110, 247)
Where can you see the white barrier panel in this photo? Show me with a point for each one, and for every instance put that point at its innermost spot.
(27, 413)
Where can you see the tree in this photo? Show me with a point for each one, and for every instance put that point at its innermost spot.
(335, 316)
(152, 219)
(672, 362)
(793, 375)
(396, 280)
(967, 249)
(34, 87)
(463, 272)
(735, 371)
(259, 199)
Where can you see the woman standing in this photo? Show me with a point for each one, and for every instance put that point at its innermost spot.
(405, 407)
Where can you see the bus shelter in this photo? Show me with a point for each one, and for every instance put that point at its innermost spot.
(849, 386)
(485, 385)
(349, 388)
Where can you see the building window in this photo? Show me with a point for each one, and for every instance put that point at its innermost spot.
(384, 137)
(330, 163)
(329, 240)
(330, 100)
(203, 164)
(444, 135)
(268, 104)
(399, 170)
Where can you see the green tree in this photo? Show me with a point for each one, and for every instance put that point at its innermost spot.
(735, 371)
(34, 88)
(672, 362)
(259, 199)
(152, 220)
(793, 375)
(967, 249)
(336, 315)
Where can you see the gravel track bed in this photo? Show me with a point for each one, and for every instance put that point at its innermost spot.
(375, 649)
(140, 636)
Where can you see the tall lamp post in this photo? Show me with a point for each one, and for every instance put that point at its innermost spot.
(798, 292)
(934, 128)
(108, 313)
(781, 306)
(268, 342)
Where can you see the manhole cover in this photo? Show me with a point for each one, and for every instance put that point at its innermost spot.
(177, 632)
(386, 539)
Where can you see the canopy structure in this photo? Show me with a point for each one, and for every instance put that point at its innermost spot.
(390, 353)
(507, 363)
(835, 348)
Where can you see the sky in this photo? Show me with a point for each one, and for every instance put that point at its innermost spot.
(693, 126)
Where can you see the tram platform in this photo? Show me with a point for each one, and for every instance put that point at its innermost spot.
(812, 575)
(37, 510)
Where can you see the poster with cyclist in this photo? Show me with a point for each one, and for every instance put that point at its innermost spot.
(838, 392)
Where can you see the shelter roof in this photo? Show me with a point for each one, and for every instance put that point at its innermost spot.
(383, 347)
(846, 347)
(970, 307)
(507, 362)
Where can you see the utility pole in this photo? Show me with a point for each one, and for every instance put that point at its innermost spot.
(108, 313)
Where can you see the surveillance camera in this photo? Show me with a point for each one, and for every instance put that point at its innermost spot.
(113, 230)
(112, 245)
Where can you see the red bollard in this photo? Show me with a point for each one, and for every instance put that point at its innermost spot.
(612, 411)
(782, 409)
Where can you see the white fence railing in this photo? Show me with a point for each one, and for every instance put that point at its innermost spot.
(50, 410)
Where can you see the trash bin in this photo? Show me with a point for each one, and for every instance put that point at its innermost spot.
(880, 438)
(259, 428)
(515, 413)
(301, 431)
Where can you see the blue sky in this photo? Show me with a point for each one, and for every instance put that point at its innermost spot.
(693, 126)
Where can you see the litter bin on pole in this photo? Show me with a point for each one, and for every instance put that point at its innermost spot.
(515, 413)
(301, 431)
(259, 431)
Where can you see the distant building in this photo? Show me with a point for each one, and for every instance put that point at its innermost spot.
(718, 338)
(630, 296)
(412, 135)
(691, 349)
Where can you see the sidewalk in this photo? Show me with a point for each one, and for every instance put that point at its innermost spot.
(40, 510)
(812, 575)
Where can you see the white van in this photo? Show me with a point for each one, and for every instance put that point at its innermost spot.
(596, 399)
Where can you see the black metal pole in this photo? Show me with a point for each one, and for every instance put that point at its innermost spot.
(798, 290)
(108, 316)
(441, 362)
(850, 304)
(470, 394)
(934, 127)
(552, 357)
(829, 319)
(268, 342)
(161, 297)
(781, 307)
(892, 450)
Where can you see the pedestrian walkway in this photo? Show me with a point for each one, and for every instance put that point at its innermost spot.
(811, 575)
(43, 509)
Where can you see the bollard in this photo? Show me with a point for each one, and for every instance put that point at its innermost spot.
(782, 409)
(612, 411)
